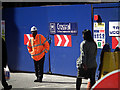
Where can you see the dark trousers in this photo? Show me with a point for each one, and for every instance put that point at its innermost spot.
(91, 76)
(4, 83)
(39, 67)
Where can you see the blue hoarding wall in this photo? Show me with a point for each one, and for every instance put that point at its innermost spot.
(19, 22)
(63, 59)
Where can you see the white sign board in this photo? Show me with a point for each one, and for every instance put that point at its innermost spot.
(99, 34)
(114, 28)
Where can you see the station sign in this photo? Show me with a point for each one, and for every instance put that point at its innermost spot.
(62, 28)
(114, 28)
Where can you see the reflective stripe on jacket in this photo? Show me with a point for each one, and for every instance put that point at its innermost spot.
(38, 47)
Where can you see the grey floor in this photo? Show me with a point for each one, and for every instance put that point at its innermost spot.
(26, 81)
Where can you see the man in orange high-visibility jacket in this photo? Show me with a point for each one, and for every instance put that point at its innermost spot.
(37, 47)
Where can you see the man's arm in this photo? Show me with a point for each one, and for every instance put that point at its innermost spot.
(45, 44)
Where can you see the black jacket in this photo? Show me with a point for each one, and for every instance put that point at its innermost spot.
(4, 54)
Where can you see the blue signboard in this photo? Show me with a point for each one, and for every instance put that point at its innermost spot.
(63, 28)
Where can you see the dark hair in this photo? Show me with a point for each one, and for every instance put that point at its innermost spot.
(87, 35)
(106, 47)
(116, 49)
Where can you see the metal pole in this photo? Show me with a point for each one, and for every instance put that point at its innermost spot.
(0, 41)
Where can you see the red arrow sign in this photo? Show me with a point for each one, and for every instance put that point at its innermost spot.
(26, 38)
(111, 80)
(115, 42)
(63, 40)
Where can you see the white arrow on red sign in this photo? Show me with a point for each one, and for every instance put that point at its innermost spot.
(115, 42)
(26, 38)
(63, 40)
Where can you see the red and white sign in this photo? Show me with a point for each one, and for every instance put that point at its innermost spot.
(26, 38)
(111, 80)
(115, 42)
(63, 40)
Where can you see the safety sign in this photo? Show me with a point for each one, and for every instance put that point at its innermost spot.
(26, 38)
(111, 81)
(99, 34)
(68, 28)
(114, 28)
(3, 28)
(62, 40)
(115, 42)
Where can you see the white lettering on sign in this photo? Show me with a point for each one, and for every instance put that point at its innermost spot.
(63, 27)
(114, 28)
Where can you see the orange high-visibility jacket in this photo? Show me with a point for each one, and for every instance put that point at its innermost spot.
(38, 47)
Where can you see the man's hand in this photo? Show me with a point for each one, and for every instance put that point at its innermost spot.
(32, 53)
(84, 67)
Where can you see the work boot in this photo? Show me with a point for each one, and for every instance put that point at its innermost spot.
(8, 87)
(38, 80)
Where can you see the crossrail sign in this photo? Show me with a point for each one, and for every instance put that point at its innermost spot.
(62, 40)
(115, 42)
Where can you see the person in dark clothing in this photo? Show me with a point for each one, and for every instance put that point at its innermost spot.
(106, 48)
(86, 63)
(4, 63)
(116, 49)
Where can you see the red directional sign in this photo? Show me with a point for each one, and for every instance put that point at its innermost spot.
(63, 40)
(115, 42)
(110, 80)
(26, 38)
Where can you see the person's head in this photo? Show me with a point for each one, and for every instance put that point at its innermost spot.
(87, 35)
(106, 47)
(34, 31)
(116, 49)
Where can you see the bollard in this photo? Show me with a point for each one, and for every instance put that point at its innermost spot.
(117, 59)
(109, 63)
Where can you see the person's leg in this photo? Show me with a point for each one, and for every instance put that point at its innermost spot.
(78, 83)
(4, 83)
(41, 68)
(36, 69)
(92, 77)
